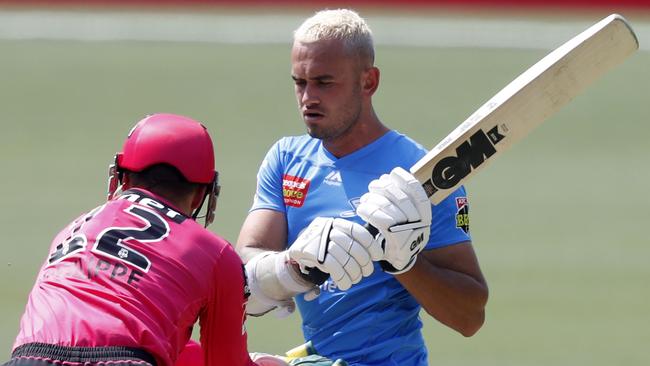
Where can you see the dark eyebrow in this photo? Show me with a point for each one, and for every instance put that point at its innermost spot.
(325, 77)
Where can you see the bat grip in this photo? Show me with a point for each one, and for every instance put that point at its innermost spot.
(372, 230)
(316, 276)
(385, 265)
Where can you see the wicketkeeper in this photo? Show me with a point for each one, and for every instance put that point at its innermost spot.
(124, 283)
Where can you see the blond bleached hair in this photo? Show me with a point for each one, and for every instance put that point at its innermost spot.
(340, 24)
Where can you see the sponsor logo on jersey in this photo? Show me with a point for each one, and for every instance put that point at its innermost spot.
(328, 286)
(145, 200)
(334, 178)
(294, 190)
(462, 214)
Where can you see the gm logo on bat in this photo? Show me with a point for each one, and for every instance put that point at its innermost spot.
(470, 154)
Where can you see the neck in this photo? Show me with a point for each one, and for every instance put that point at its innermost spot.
(364, 132)
(183, 206)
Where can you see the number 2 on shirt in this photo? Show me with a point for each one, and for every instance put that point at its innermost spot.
(110, 241)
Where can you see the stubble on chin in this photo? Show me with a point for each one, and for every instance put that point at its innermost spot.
(331, 129)
(318, 132)
(313, 131)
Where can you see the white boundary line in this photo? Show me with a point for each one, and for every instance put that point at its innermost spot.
(277, 29)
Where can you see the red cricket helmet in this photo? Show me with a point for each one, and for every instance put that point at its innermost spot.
(171, 139)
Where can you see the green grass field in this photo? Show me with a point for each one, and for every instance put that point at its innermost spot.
(558, 222)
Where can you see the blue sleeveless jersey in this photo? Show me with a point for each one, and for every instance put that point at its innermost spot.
(375, 322)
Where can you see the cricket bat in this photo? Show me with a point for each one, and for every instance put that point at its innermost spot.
(525, 103)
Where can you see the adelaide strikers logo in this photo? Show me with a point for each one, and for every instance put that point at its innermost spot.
(294, 190)
(462, 215)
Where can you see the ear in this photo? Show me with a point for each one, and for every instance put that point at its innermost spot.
(198, 197)
(126, 181)
(370, 81)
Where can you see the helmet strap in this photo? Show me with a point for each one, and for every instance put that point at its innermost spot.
(114, 180)
(211, 193)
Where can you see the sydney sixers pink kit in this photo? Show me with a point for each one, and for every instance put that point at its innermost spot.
(132, 272)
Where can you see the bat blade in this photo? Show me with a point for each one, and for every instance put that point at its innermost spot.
(526, 102)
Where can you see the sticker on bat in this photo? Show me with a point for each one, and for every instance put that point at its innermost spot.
(470, 154)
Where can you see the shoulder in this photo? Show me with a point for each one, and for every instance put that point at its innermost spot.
(224, 249)
(297, 144)
(208, 238)
(291, 149)
(228, 268)
(227, 254)
(397, 149)
(408, 144)
(210, 250)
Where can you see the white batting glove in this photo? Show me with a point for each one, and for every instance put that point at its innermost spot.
(343, 249)
(265, 359)
(272, 283)
(397, 205)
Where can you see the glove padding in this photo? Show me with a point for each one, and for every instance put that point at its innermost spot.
(306, 355)
(398, 207)
(265, 359)
(343, 249)
(316, 360)
(272, 285)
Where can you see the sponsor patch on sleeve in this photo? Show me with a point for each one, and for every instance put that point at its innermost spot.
(462, 214)
(294, 190)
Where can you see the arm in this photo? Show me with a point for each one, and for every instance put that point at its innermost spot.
(327, 247)
(265, 231)
(262, 230)
(447, 281)
(223, 334)
(273, 280)
(449, 285)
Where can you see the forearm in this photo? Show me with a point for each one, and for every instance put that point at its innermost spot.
(446, 281)
(454, 298)
(263, 230)
(248, 251)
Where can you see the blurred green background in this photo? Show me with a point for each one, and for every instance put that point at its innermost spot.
(558, 222)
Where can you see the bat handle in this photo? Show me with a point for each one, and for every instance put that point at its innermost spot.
(316, 276)
(372, 230)
(385, 265)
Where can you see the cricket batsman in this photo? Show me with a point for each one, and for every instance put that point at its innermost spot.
(305, 232)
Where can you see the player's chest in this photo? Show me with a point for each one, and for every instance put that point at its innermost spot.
(311, 191)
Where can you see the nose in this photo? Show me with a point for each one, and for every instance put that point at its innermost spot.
(309, 96)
